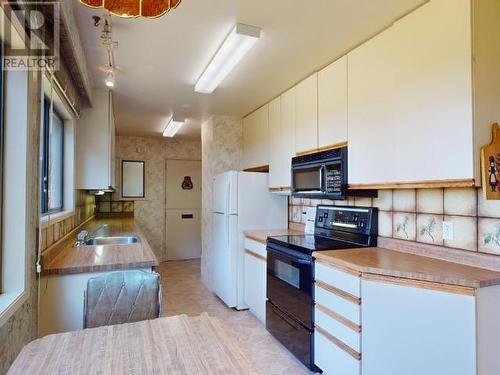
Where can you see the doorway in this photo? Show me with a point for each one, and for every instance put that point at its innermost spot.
(183, 209)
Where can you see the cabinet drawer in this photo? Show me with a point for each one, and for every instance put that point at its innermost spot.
(339, 279)
(340, 305)
(256, 247)
(341, 331)
(332, 359)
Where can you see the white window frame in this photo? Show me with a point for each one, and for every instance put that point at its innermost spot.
(15, 257)
(59, 104)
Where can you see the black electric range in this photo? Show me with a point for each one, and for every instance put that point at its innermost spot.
(290, 272)
(309, 243)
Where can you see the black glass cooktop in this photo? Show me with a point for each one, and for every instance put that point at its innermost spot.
(308, 243)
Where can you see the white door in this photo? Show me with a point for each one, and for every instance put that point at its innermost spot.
(183, 214)
(410, 99)
(255, 286)
(415, 331)
(332, 104)
(255, 138)
(224, 257)
(226, 193)
(306, 114)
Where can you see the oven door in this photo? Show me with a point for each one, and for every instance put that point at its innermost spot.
(308, 180)
(296, 338)
(289, 282)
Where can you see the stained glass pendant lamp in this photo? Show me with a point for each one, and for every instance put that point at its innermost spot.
(134, 8)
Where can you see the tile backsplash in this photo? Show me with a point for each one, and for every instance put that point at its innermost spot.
(108, 204)
(84, 209)
(418, 215)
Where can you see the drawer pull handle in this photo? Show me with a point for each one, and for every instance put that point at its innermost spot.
(255, 255)
(347, 296)
(340, 344)
(339, 318)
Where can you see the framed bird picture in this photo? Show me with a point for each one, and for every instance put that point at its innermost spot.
(490, 162)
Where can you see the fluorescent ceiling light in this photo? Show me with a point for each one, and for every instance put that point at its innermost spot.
(237, 44)
(172, 128)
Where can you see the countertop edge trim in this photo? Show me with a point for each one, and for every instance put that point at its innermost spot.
(102, 268)
(421, 284)
(364, 270)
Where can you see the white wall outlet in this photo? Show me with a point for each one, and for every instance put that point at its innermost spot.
(447, 230)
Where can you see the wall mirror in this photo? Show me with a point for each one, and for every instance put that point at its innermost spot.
(133, 179)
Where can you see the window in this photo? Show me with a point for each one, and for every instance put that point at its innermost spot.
(52, 149)
(1, 158)
(17, 170)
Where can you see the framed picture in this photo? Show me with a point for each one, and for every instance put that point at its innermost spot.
(133, 179)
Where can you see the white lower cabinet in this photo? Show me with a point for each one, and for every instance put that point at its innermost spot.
(337, 319)
(62, 301)
(378, 325)
(414, 331)
(255, 278)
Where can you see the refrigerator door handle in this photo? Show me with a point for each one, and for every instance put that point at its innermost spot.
(228, 231)
(228, 197)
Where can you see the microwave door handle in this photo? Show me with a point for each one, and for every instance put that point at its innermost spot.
(322, 178)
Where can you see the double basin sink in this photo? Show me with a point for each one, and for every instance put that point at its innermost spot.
(99, 235)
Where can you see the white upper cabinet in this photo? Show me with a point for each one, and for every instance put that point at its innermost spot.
(410, 94)
(281, 141)
(306, 114)
(95, 151)
(332, 104)
(256, 138)
(276, 138)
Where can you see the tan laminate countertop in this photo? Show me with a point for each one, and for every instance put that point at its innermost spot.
(380, 261)
(103, 258)
(261, 235)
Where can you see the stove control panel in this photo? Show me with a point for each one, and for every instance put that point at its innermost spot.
(356, 220)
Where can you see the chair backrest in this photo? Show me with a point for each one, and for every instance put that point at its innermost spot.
(122, 297)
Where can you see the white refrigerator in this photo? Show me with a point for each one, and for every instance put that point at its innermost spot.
(242, 201)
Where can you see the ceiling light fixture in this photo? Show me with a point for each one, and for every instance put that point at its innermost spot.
(239, 41)
(172, 128)
(134, 8)
(109, 45)
(110, 79)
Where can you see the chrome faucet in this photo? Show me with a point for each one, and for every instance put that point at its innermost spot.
(84, 235)
(81, 238)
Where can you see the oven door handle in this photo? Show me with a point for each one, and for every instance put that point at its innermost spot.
(295, 256)
(303, 261)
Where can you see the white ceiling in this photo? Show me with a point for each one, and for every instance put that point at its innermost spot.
(160, 60)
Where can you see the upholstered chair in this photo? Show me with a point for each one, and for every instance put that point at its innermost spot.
(122, 297)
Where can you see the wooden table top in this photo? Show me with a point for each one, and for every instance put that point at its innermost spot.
(261, 235)
(380, 261)
(176, 345)
(103, 258)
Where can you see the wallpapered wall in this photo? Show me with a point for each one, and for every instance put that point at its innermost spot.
(150, 212)
(418, 215)
(222, 147)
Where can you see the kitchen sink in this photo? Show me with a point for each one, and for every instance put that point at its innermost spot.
(122, 240)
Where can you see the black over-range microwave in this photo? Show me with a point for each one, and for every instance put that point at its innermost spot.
(323, 175)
